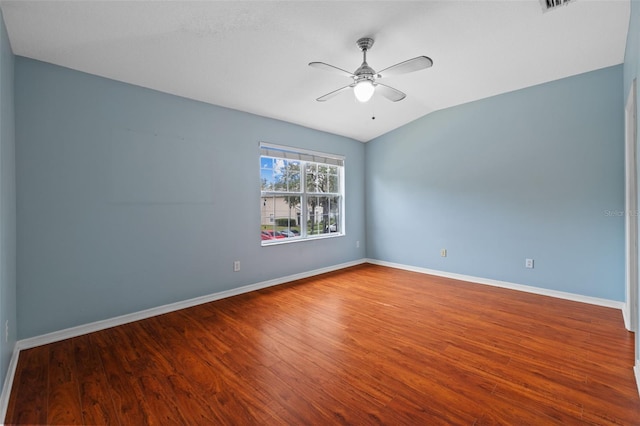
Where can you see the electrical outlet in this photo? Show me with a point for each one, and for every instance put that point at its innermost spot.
(357, 244)
(528, 263)
(443, 252)
(236, 266)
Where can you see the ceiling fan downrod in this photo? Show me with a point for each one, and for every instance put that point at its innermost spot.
(364, 71)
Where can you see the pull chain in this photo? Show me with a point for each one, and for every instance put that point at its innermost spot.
(373, 109)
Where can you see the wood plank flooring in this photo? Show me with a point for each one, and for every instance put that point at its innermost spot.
(365, 345)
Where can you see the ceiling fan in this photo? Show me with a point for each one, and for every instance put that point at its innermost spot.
(365, 79)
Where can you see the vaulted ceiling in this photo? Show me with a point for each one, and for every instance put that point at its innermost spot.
(253, 56)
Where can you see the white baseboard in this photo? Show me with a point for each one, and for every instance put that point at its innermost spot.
(80, 330)
(159, 310)
(625, 317)
(504, 284)
(636, 370)
(148, 313)
(8, 383)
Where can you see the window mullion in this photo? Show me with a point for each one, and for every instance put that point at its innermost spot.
(303, 199)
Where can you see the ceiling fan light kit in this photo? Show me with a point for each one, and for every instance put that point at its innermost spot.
(365, 78)
(364, 90)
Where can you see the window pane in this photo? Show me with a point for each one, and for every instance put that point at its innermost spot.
(334, 182)
(266, 173)
(266, 209)
(323, 215)
(314, 213)
(333, 218)
(323, 178)
(279, 174)
(280, 217)
(293, 176)
(288, 220)
(312, 174)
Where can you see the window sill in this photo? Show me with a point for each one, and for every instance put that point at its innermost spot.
(290, 240)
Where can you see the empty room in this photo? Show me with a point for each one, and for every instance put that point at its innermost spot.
(319, 212)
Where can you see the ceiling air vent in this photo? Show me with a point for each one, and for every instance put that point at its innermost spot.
(548, 5)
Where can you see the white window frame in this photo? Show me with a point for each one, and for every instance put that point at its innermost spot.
(305, 156)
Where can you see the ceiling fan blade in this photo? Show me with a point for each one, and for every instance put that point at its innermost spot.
(410, 65)
(394, 95)
(327, 67)
(334, 93)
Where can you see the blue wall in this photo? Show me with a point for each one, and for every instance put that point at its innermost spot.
(7, 204)
(130, 199)
(536, 173)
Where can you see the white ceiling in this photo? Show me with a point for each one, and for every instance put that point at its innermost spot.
(253, 56)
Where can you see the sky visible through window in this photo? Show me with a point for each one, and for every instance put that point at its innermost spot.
(271, 170)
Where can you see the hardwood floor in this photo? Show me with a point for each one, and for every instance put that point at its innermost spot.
(365, 345)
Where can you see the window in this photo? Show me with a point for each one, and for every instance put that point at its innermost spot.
(301, 194)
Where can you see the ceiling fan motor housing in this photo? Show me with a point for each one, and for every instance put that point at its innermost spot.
(364, 72)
